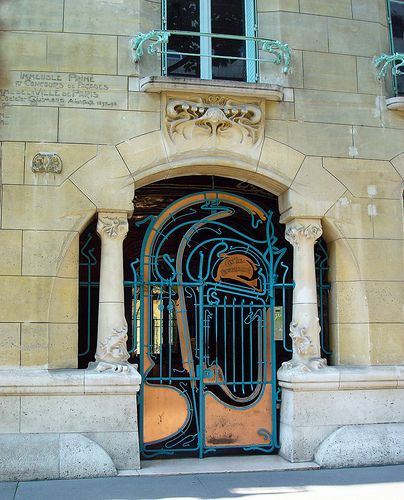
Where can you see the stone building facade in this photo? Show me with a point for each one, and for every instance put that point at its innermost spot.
(87, 123)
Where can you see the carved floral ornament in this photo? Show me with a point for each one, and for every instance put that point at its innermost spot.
(215, 118)
(297, 232)
(113, 226)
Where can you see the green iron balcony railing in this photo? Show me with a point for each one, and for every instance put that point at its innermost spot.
(157, 43)
(382, 64)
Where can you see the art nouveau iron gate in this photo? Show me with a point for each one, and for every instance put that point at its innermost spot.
(204, 297)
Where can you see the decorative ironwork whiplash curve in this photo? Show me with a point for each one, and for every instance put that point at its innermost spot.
(205, 289)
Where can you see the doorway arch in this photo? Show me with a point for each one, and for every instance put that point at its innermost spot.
(150, 204)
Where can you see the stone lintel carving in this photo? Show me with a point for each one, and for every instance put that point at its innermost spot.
(297, 232)
(215, 118)
(48, 163)
(112, 225)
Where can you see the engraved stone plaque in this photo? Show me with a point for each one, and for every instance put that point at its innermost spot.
(70, 90)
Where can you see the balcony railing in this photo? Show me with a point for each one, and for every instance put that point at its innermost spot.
(382, 64)
(156, 42)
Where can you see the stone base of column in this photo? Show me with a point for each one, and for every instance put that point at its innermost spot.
(343, 416)
(65, 424)
(300, 365)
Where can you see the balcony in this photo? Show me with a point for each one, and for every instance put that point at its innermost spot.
(387, 64)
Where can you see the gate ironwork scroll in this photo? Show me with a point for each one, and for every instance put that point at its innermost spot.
(204, 304)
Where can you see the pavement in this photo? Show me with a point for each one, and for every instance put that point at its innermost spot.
(382, 483)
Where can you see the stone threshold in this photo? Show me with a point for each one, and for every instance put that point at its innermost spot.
(217, 465)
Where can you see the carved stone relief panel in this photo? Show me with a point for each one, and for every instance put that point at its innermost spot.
(47, 163)
(213, 121)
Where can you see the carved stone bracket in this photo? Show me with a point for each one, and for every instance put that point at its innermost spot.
(48, 163)
(214, 118)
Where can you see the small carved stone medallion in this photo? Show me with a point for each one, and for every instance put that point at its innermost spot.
(48, 163)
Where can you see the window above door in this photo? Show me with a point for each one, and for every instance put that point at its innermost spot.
(225, 58)
(210, 40)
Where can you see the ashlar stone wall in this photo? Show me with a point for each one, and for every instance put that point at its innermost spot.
(332, 150)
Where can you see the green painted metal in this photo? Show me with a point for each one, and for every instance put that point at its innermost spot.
(382, 62)
(228, 323)
(279, 50)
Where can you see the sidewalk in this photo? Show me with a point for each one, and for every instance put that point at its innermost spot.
(346, 484)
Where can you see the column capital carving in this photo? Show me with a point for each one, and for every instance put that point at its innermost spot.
(112, 225)
(300, 230)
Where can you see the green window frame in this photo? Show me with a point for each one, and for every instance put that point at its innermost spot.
(205, 42)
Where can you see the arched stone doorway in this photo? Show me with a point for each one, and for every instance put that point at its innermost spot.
(205, 378)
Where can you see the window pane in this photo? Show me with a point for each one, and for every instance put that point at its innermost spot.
(183, 15)
(228, 18)
(397, 20)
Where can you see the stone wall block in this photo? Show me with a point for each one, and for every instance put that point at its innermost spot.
(367, 301)
(298, 444)
(9, 345)
(64, 301)
(366, 178)
(24, 299)
(387, 217)
(358, 38)
(348, 218)
(122, 447)
(101, 17)
(44, 252)
(144, 152)
(363, 445)
(81, 457)
(46, 208)
(375, 11)
(279, 161)
(34, 345)
(312, 138)
(10, 252)
(62, 347)
(97, 126)
(46, 15)
(26, 123)
(12, 162)
(342, 8)
(300, 31)
(106, 181)
(336, 107)
(277, 5)
(308, 198)
(24, 51)
(324, 71)
(398, 163)
(78, 53)
(78, 413)
(9, 416)
(29, 456)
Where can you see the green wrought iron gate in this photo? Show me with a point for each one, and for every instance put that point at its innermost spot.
(205, 289)
(208, 289)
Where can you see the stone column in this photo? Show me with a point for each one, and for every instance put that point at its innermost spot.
(305, 326)
(112, 335)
